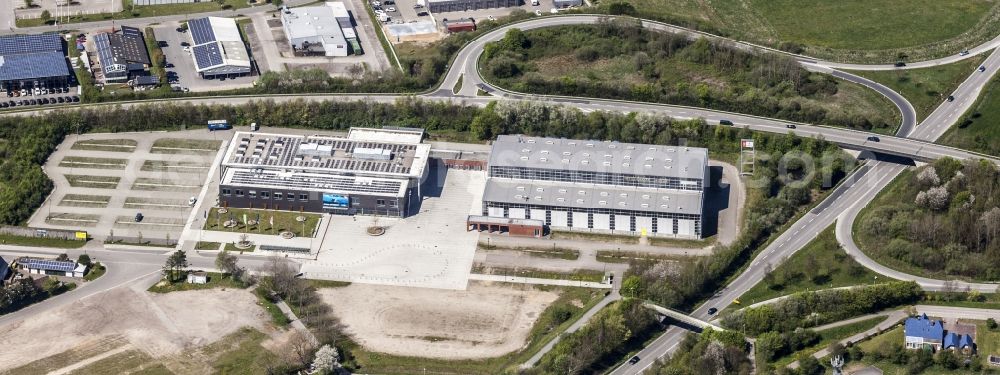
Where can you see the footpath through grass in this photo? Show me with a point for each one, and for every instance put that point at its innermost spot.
(926, 88)
(821, 264)
(830, 336)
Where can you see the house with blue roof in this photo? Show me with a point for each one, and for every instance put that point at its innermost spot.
(921, 332)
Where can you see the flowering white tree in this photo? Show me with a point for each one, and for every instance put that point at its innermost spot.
(935, 198)
(928, 177)
(327, 359)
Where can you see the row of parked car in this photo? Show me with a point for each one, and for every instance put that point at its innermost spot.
(37, 91)
(41, 101)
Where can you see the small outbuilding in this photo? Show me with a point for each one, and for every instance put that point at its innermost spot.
(197, 277)
(513, 227)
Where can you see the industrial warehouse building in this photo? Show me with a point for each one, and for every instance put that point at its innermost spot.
(320, 30)
(595, 186)
(218, 48)
(28, 61)
(370, 172)
(441, 6)
(122, 55)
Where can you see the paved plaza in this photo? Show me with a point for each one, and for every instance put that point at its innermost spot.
(431, 249)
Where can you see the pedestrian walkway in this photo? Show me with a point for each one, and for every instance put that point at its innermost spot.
(538, 281)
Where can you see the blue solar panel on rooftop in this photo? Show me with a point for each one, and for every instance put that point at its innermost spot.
(201, 31)
(18, 44)
(49, 265)
(33, 65)
(207, 56)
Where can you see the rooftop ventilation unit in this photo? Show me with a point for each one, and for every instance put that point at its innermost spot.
(372, 153)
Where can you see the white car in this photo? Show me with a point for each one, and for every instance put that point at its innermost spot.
(376, 3)
(538, 12)
(391, 9)
(554, 11)
(187, 49)
(492, 18)
(192, 201)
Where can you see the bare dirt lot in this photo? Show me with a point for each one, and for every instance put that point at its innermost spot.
(483, 321)
(156, 324)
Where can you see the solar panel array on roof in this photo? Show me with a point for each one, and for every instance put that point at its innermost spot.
(18, 44)
(338, 154)
(347, 184)
(201, 31)
(207, 55)
(33, 65)
(48, 265)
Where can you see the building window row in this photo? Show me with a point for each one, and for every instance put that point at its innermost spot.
(277, 195)
(605, 178)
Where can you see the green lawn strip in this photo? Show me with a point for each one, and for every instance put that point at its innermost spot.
(205, 245)
(96, 182)
(111, 145)
(558, 316)
(821, 264)
(232, 247)
(174, 166)
(268, 304)
(95, 271)
(140, 11)
(383, 39)
(614, 256)
(458, 85)
(829, 336)
(327, 283)
(81, 200)
(215, 280)
(576, 275)
(90, 162)
(203, 145)
(926, 88)
(283, 221)
(541, 252)
(979, 129)
(159, 184)
(8, 239)
(136, 243)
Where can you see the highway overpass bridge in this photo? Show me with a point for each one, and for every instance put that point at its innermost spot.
(681, 317)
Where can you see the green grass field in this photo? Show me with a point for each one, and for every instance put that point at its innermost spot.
(283, 221)
(576, 275)
(184, 146)
(926, 88)
(848, 30)
(980, 129)
(821, 264)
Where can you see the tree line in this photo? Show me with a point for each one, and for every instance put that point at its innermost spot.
(622, 60)
(711, 352)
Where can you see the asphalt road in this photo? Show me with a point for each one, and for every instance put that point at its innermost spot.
(852, 195)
